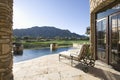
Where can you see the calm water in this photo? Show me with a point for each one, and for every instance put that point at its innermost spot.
(34, 53)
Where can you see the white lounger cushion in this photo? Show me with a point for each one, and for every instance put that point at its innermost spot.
(72, 52)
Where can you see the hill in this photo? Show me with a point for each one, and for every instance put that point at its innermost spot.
(45, 32)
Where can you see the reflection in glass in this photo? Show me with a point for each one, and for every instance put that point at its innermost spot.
(118, 22)
(101, 39)
(119, 30)
(114, 23)
(115, 38)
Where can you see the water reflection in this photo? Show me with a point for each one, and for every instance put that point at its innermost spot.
(18, 53)
(33, 53)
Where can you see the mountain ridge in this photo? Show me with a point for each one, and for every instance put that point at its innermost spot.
(45, 32)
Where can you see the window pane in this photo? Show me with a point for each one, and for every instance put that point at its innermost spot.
(119, 29)
(103, 34)
(114, 27)
(119, 22)
(115, 39)
(114, 43)
(114, 23)
(101, 38)
(99, 30)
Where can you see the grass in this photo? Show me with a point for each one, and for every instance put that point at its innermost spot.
(60, 43)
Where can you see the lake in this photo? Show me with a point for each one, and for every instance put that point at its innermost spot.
(34, 53)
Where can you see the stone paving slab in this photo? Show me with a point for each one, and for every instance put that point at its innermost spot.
(49, 68)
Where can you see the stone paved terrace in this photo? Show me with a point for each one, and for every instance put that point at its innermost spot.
(49, 68)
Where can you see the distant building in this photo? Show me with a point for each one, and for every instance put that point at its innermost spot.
(105, 31)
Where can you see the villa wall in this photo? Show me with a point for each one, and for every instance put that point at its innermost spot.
(97, 6)
(6, 57)
(95, 3)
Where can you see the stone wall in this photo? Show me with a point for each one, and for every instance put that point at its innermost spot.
(94, 4)
(6, 57)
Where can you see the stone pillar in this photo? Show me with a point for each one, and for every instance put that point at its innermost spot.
(6, 57)
(92, 34)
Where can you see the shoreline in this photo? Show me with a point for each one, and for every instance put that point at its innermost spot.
(34, 59)
(47, 47)
(38, 56)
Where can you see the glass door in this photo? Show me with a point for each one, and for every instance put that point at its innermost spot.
(101, 31)
(114, 55)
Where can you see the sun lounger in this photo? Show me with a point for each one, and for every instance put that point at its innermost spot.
(67, 54)
(80, 56)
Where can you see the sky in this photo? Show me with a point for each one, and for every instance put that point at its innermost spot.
(73, 15)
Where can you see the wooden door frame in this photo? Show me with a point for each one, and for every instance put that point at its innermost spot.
(107, 43)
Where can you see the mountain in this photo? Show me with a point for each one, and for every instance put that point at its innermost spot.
(45, 32)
